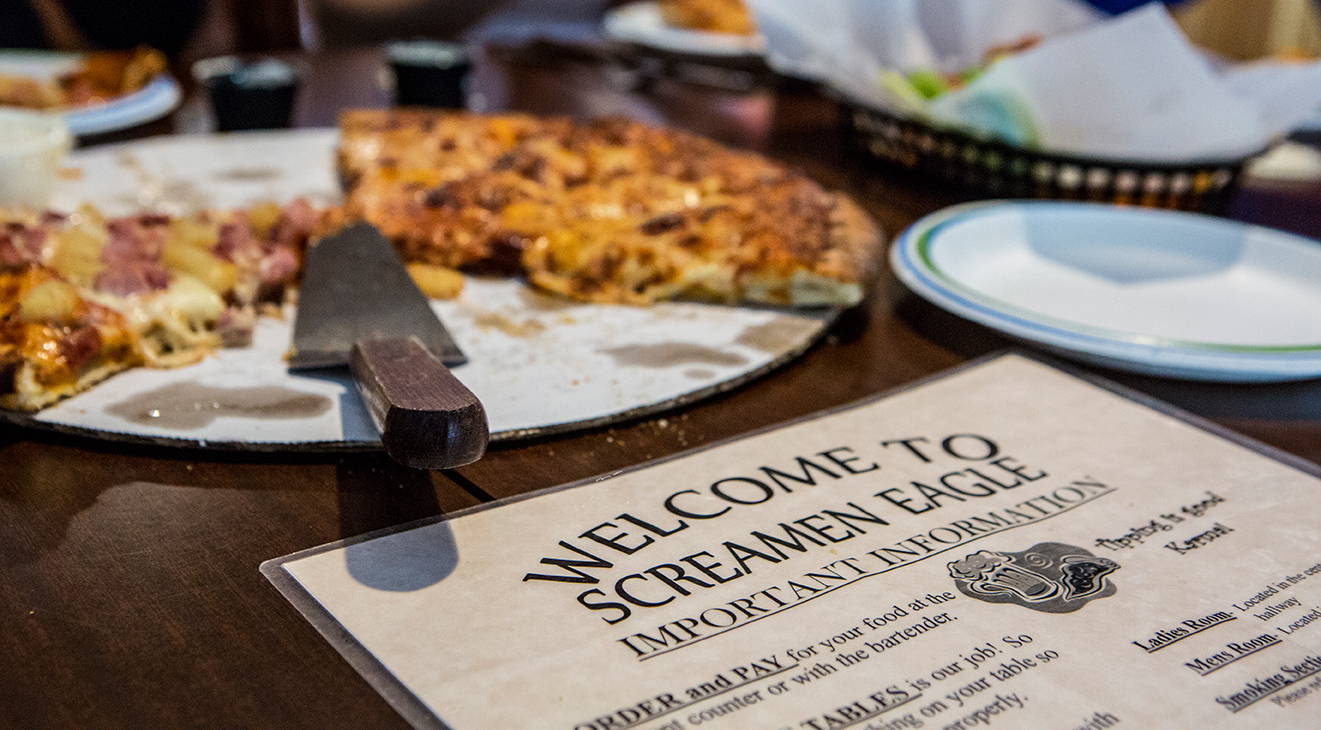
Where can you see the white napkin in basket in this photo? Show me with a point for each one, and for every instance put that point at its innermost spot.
(1130, 87)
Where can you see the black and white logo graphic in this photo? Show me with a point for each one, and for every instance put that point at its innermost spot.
(1051, 577)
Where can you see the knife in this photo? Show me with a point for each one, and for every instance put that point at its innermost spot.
(358, 306)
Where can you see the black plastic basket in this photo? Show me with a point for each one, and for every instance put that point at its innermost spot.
(992, 169)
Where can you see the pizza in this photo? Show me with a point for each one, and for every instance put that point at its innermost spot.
(100, 76)
(713, 16)
(611, 211)
(83, 296)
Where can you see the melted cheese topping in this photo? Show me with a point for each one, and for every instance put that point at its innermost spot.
(175, 325)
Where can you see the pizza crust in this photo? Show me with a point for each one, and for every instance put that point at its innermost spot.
(27, 393)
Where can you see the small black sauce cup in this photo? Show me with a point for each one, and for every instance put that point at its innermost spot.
(258, 95)
(430, 73)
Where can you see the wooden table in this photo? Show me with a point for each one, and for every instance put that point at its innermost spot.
(129, 591)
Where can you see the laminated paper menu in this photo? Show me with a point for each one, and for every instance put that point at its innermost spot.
(1006, 546)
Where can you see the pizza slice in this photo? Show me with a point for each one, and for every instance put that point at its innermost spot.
(54, 342)
(85, 296)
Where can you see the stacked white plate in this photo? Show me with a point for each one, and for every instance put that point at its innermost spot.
(1159, 292)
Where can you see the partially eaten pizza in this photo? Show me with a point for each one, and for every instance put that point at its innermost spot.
(610, 211)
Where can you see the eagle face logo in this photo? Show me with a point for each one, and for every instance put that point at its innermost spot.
(1049, 576)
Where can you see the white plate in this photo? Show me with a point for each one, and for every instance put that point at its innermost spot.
(641, 23)
(149, 103)
(539, 365)
(1151, 291)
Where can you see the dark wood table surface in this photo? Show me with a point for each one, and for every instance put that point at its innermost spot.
(129, 590)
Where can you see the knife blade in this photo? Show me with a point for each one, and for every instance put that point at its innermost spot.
(358, 306)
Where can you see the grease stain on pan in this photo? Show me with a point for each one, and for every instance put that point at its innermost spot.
(670, 354)
(159, 193)
(779, 334)
(504, 323)
(189, 406)
(541, 302)
(248, 174)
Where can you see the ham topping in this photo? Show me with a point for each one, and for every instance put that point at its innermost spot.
(20, 245)
(132, 255)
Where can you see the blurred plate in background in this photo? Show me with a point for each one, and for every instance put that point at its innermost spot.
(151, 102)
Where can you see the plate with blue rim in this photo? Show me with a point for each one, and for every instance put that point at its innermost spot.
(158, 97)
(1158, 292)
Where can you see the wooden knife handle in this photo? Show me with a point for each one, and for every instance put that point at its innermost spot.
(427, 418)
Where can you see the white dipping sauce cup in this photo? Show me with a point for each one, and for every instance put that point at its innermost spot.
(32, 144)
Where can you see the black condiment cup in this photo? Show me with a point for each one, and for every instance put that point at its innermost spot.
(430, 73)
(249, 95)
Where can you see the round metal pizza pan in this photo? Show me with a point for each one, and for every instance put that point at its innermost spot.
(540, 365)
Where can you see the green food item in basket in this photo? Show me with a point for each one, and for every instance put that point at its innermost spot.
(927, 82)
(916, 88)
(903, 92)
(985, 112)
